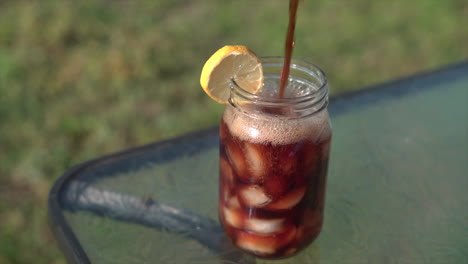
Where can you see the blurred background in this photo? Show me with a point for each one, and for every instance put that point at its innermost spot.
(79, 79)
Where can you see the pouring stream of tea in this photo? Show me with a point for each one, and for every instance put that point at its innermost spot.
(293, 4)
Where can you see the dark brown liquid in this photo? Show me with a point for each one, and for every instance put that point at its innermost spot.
(289, 45)
(272, 196)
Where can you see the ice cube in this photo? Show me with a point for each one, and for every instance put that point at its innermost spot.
(258, 244)
(264, 245)
(236, 158)
(226, 172)
(264, 226)
(223, 130)
(233, 202)
(275, 186)
(254, 195)
(289, 200)
(225, 193)
(233, 217)
(256, 162)
(288, 164)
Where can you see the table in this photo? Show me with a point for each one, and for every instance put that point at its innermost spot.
(396, 193)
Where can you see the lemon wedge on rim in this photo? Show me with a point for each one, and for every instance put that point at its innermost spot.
(229, 63)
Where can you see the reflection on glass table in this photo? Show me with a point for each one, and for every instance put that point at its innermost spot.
(396, 190)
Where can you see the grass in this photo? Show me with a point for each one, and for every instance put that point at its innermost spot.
(84, 78)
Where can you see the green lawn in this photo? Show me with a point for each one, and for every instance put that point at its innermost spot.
(79, 79)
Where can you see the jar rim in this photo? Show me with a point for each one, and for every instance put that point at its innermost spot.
(297, 64)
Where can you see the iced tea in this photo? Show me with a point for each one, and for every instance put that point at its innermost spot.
(273, 165)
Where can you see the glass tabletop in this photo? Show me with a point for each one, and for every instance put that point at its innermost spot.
(396, 192)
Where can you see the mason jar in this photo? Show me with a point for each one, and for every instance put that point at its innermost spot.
(274, 156)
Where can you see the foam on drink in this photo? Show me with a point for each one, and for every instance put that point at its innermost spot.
(278, 130)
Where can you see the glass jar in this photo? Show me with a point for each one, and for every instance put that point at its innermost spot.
(273, 161)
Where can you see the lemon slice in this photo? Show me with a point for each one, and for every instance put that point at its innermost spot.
(231, 62)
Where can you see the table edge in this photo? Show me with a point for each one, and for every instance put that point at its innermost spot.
(386, 85)
(66, 238)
